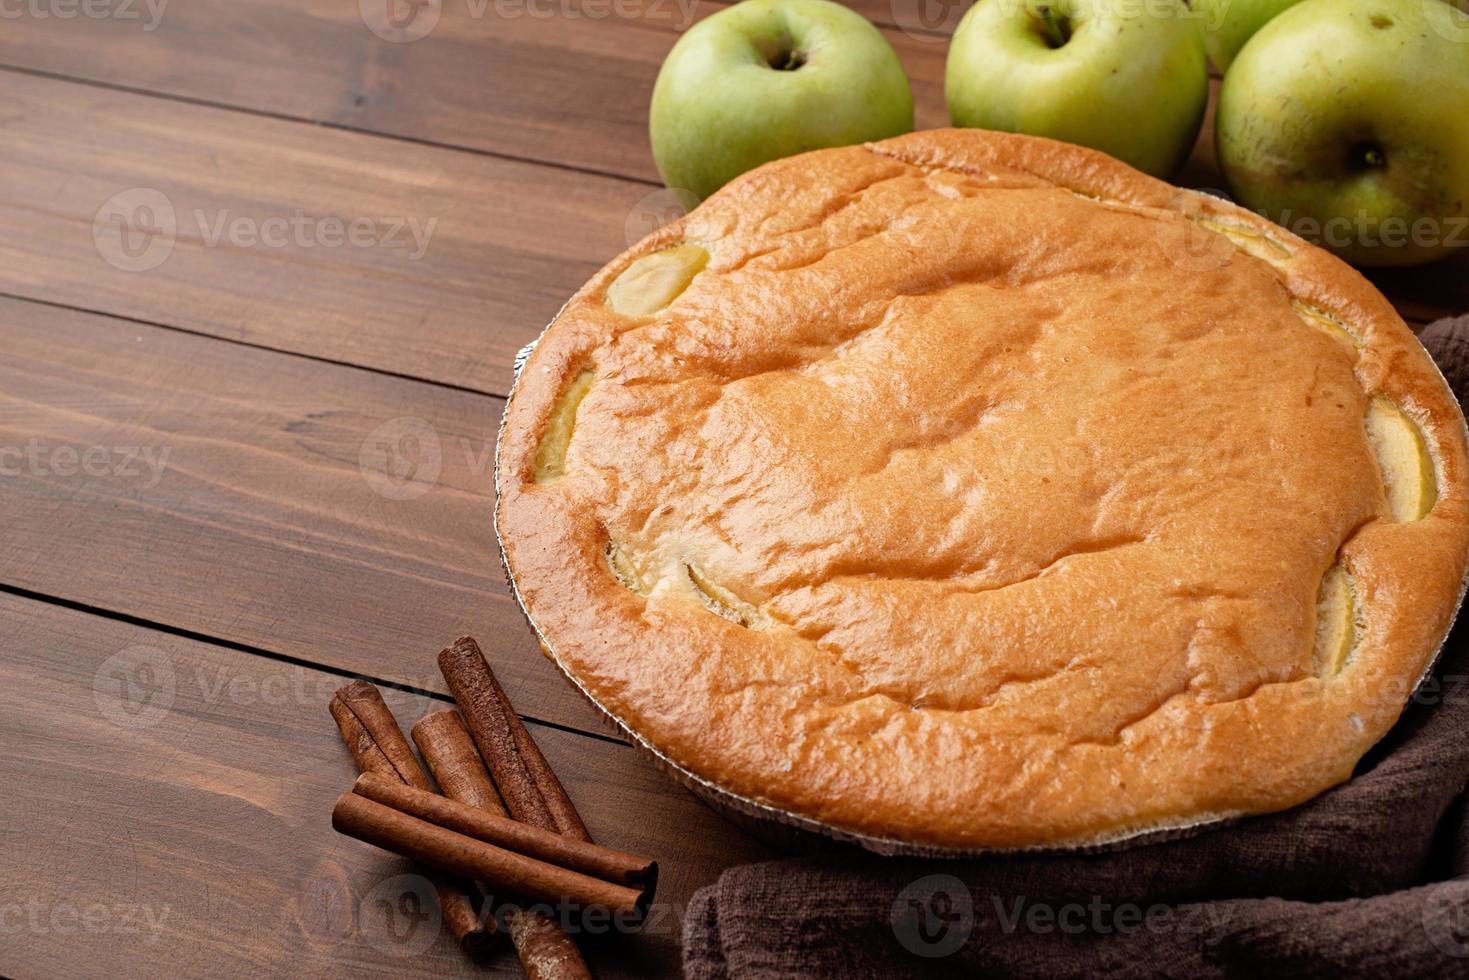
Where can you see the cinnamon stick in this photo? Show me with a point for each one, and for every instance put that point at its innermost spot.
(594, 860)
(505, 871)
(531, 790)
(452, 758)
(372, 734)
(545, 950)
(377, 745)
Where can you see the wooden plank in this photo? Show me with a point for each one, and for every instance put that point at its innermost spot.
(511, 242)
(464, 258)
(326, 513)
(457, 261)
(167, 812)
(561, 81)
(527, 78)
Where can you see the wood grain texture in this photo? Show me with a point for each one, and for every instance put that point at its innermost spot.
(490, 74)
(308, 509)
(557, 81)
(179, 826)
(261, 212)
(461, 261)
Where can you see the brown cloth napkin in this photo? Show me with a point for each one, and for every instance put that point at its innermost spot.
(1368, 879)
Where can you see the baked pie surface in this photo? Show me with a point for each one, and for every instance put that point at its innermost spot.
(971, 490)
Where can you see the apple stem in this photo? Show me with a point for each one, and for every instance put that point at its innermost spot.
(1054, 33)
(1374, 158)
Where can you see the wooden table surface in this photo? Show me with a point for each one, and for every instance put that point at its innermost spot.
(262, 275)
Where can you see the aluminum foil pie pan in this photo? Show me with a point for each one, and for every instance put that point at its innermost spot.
(794, 833)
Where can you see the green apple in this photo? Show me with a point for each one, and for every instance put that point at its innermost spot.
(769, 78)
(1228, 24)
(1347, 121)
(1126, 77)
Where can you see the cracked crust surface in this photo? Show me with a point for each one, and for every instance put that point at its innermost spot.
(978, 492)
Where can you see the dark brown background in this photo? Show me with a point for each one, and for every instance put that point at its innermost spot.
(169, 635)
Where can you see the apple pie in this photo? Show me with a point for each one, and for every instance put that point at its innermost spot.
(974, 491)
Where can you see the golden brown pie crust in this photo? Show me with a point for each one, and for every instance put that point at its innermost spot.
(979, 493)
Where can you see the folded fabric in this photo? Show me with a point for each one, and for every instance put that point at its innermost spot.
(1364, 880)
